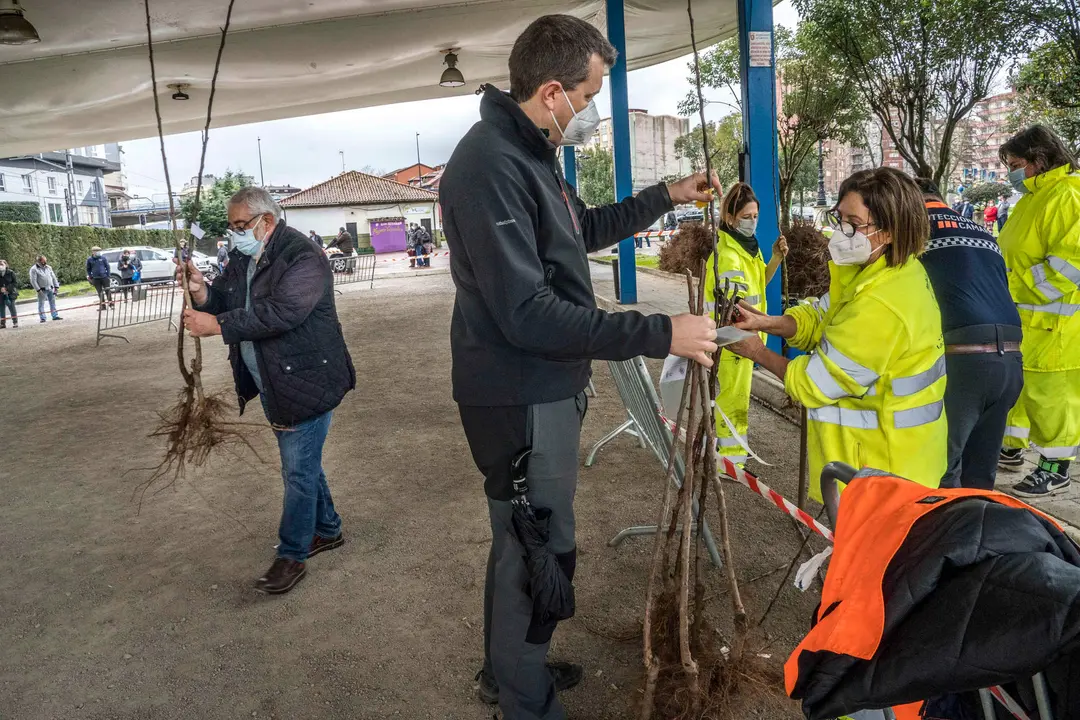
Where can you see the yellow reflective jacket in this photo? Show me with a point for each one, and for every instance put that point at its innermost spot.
(746, 271)
(874, 381)
(1041, 245)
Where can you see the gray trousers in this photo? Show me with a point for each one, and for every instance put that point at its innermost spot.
(516, 646)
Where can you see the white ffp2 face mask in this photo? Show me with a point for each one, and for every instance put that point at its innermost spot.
(581, 127)
(747, 226)
(854, 250)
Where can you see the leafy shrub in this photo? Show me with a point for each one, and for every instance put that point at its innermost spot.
(68, 247)
(28, 212)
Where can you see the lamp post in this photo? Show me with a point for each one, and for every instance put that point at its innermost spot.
(821, 199)
(419, 173)
(262, 178)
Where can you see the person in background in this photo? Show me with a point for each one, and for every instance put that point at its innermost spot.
(1002, 213)
(44, 282)
(97, 273)
(966, 209)
(525, 325)
(274, 308)
(670, 221)
(129, 266)
(874, 381)
(424, 246)
(982, 340)
(990, 219)
(738, 259)
(315, 238)
(1041, 244)
(223, 256)
(9, 292)
(343, 242)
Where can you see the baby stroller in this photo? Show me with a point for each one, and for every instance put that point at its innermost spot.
(956, 604)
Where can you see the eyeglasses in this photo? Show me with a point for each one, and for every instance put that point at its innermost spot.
(242, 228)
(837, 223)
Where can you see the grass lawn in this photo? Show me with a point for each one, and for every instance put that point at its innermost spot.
(649, 261)
(27, 294)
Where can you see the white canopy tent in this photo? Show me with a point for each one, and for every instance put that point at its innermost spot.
(88, 80)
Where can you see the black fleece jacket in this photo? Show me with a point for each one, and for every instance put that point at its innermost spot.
(525, 322)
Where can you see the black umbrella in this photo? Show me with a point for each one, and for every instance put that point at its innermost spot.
(550, 588)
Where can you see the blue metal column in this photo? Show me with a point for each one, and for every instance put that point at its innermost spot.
(570, 165)
(620, 125)
(758, 81)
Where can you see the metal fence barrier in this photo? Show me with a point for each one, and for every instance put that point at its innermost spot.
(643, 422)
(143, 303)
(353, 268)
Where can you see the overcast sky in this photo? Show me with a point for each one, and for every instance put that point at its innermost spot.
(304, 151)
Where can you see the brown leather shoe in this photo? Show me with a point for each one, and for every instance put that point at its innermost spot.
(320, 544)
(282, 577)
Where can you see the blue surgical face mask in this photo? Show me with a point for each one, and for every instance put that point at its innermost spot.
(245, 240)
(1017, 178)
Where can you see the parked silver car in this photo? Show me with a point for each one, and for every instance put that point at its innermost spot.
(157, 264)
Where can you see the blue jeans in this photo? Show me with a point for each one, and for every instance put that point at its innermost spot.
(8, 302)
(51, 297)
(308, 509)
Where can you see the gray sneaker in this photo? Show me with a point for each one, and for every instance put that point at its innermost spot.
(1042, 483)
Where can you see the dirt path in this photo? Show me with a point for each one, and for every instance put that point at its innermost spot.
(113, 613)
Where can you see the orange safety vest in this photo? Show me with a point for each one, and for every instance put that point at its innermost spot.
(876, 515)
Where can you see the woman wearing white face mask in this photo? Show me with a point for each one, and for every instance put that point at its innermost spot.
(1041, 246)
(874, 381)
(738, 260)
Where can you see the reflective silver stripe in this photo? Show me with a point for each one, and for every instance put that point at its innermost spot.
(752, 299)
(729, 442)
(731, 274)
(859, 373)
(914, 383)
(1017, 432)
(833, 415)
(1038, 273)
(1056, 453)
(822, 305)
(918, 415)
(826, 383)
(1065, 268)
(1066, 309)
(735, 458)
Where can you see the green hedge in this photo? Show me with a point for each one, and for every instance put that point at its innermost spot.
(68, 247)
(26, 212)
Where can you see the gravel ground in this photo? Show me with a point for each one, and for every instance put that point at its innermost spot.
(112, 611)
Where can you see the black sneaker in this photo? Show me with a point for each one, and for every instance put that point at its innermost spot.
(320, 544)
(282, 577)
(1011, 458)
(566, 676)
(1042, 483)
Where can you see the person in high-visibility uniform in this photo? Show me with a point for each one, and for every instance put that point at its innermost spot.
(1041, 245)
(874, 381)
(738, 259)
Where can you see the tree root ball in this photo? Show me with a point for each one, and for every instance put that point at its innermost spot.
(687, 250)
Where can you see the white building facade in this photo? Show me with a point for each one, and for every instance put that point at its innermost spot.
(78, 199)
(653, 139)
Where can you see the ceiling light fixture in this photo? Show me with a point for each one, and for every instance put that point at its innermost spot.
(451, 77)
(180, 94)
(14, 28)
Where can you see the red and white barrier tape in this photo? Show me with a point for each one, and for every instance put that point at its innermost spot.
(415, 257)
(657, 234)
(730, 469)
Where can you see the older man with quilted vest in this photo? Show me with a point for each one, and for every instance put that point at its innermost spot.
(274, 308)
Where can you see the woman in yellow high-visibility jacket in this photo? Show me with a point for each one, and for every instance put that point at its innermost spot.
(874, 381)
(738, 259)
(1041, 245)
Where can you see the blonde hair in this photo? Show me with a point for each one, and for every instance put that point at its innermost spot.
(737, 197)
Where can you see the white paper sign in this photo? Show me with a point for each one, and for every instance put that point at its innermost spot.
(760, 49)
(730, 334)
(671, 384)
(197, 231)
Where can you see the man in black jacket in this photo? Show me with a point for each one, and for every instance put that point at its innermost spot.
(274, 308)
(525, 325)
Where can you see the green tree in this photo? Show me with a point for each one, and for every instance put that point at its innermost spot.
(1048, 91)
(596, 176)
(983, 193)
(212, 215)
(819, 102)
(725, 143)
(804, 183)
(919, 63)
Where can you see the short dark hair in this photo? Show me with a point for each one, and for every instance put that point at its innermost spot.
(896, 206)
(555, 47)
(928, 187)
(1040, 146)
